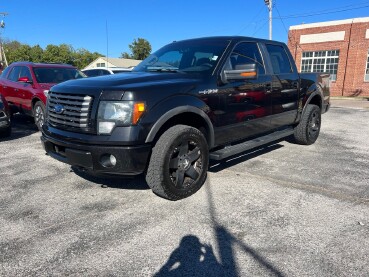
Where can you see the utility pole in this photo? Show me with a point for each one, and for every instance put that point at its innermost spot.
(2, 52)
(269, 4)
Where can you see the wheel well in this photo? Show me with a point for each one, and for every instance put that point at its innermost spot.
(189, 119)
(316, 100)
(34, 100)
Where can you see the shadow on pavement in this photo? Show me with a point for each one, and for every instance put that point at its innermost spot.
(192, 258)
(119, 182)
(22, 126)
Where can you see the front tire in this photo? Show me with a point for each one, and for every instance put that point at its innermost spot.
(39, 114)
(178, 163)
(307, 131)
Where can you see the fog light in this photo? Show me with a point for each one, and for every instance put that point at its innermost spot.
(105, 127)
(108, 160)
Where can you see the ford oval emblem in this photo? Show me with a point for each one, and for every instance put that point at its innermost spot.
(59, 109)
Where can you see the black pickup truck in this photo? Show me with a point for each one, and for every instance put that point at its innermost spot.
(191, 101)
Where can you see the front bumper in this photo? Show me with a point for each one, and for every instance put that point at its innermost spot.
(130, 160)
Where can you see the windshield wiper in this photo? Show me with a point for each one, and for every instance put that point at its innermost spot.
(162, 69)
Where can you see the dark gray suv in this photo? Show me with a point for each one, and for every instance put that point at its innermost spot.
(5, 128)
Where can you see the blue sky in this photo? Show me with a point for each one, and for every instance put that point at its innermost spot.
(82, 23)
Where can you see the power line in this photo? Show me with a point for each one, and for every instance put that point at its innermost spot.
(281, 19)
(251, 21)
(336, 10)
(261, 27)
(293, 42)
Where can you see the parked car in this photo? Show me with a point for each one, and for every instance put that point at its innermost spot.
(190, 101)
(25, 86)
(5, 124)
(105, 71)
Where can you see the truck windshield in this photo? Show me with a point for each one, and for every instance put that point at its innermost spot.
(192, 56)
(55, 75)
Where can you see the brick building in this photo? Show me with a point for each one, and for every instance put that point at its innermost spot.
(338, 47)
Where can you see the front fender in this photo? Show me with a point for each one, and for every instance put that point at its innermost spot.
(174, 106)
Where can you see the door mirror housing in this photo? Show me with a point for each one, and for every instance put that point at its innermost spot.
(241, 72)
(25, 80)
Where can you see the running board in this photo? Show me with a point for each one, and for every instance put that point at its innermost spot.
(244, 146)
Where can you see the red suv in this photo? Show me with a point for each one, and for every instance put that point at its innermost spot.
(25, 86)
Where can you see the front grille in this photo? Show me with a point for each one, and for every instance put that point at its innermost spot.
(70, 110)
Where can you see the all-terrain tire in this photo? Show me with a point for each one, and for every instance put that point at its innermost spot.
(39, 114)
(179, 163)
(307, 131)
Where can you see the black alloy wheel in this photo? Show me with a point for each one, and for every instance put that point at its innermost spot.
(178, 163)
(308, 129)
(314, 124)
(185, 164)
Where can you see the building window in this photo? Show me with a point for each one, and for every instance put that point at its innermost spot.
(367, 69)
(100, 65)
(321, 61)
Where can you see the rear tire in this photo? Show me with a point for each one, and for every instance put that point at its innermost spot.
(178, 163)
(39, 114)
(307, 131)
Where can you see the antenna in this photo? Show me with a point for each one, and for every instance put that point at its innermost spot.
(107, 43)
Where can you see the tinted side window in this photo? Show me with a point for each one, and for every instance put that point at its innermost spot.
(93, 72)
(25, 72)
(5, 72)
(279, 59)
(14, 74)
(104, 72)
(247, 53)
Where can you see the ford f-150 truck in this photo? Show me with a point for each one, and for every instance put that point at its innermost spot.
(190, 101)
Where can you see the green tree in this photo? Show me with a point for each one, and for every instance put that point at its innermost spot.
(140, 49)
(22, 53)
(63, 53)
(36, 54)
(83, 57)
(126, 55)
(15, 51)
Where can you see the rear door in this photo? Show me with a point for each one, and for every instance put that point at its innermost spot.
(285, 86)
(11, 89)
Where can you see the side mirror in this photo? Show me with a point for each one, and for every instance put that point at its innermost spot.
(242, 72)
(25, 80)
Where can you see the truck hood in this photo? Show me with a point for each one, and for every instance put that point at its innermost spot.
(129, 81)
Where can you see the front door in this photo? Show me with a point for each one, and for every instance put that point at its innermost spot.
(247, 103)
(26, 91)
(12, 94)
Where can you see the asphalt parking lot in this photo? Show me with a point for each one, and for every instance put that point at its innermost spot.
(280, 210)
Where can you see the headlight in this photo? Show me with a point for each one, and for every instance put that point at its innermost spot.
(123, 113)
(46, 92)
